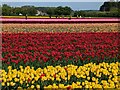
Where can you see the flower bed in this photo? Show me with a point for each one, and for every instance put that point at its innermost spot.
(60, 60)
(62, 20)
(90, 75)
(88, 27)
(60, 48)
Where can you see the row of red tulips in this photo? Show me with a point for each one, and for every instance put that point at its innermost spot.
(44, 47)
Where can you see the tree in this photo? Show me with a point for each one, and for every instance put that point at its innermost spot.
(59, 10)
(67, 10)
(79, 13)
(108, 5)
(111, 8)
(6, 10)
(16, 11)
(63, 10)
(29, 10)
(50, 12)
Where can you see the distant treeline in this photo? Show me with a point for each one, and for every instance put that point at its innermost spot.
(108, 9)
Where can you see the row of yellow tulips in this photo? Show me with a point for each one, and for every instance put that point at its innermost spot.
(90, 75)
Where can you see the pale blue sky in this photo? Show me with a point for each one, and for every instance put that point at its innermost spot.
(53, 0)
(73, 5)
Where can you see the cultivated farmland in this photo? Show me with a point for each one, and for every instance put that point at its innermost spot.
(60, 55)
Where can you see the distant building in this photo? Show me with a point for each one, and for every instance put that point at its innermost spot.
(40, 13)
(20, 14)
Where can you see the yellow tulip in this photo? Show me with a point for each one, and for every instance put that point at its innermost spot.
(33, 82)
(32, 86)
(88, 78)
(58, 79)
(16, 80)
(52, 79)
(87, 73)
(4, 79)
(21, 82)
(93, 79)
(117, 86)
(9, 67)
(9, 79)
(86, 86)
(38, 86)
(36, 78)
(83, 83)
(21, 70)
(90, 87)
(78, 83)
(8, 84)
(21, 66)
(19, 88)
(49, 86)
(112, 85)
(61, 85)
(12, 84)
(3, 84)
(84, 77)
(80, 86)
(68, 77)
(27, 85)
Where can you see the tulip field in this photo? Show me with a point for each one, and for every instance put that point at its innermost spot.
(60, 20)
(60, 56)
(87, 27)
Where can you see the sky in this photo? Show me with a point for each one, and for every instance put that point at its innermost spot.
(74, 4)
(53, 0)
